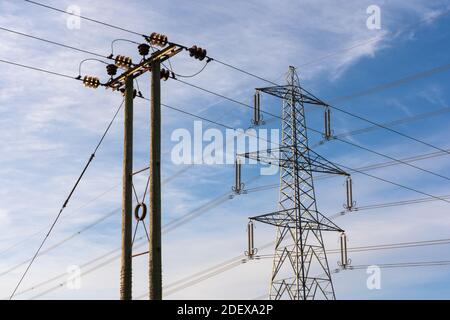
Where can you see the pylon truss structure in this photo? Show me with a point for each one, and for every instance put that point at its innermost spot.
(300, 266)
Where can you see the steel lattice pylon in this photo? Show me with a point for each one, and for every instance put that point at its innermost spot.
(300, 266)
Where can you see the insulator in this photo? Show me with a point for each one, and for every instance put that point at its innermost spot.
(327, 116)
(197, 53)
(165, 74)
(251, 250)
(144, 49)
(111, 69)
(157, 39)
(257, 118)
(123, 61)
(345, 261)
(91, 82)
(349, 188)
(238, 185)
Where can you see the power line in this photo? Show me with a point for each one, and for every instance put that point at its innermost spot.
(376, 89)
(226, 98)
(381, 125)
(52, 42)
(276, 116)
(39, 69)
(365, 168)
(391, 158)
(97, 197)
(114, 27)
(395, 183)
(67, 200)
(385, 246)
(164, 105)
(84, 17)
(336, 52)
(203, 277)
(337, 138)
(215, 202)
(397, 203)
(397, 162)
(167, 227)
(381, 179)
(193, 74)
(239, 260)
(165, 181)
(219, 200)
(359, 131)
(40, 284)
(369, 91)
(385, 266)
(83, 206)
(393, 84)
(445, 67)
(25, 240)
(366, 92)
(366, 207)
(241, 103)
(356, 249)
(396, 245)
(352, 249)
(233, 100)
(65, 240)
(412, 264)
(408, 119)
(376, 38)
(372, 90)
(211, 121)
(84, 273)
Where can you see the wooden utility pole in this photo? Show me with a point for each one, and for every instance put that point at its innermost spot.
(127, 196)
(155, 269)
(119, 83)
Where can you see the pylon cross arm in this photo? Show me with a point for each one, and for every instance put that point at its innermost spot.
(308, 220)
(284, 92)
(308, 161)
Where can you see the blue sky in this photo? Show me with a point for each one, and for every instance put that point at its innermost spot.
(50, 126)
